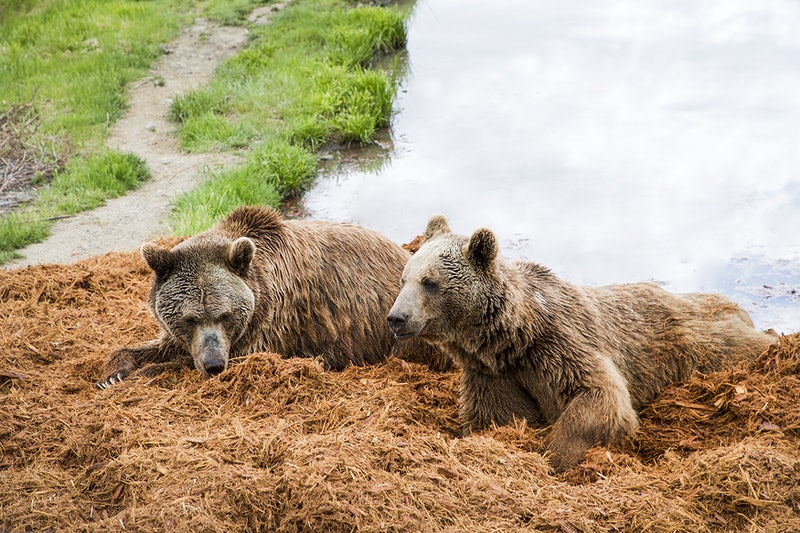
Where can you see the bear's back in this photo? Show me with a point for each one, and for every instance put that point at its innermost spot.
(324, 287)
(661, 337)
(260, 224)
(654, 337)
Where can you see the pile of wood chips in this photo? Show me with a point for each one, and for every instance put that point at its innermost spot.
(281, 445)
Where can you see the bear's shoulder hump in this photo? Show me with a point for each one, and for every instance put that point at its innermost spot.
(252, 221)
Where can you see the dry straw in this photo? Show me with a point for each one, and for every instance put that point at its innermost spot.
(281, 445)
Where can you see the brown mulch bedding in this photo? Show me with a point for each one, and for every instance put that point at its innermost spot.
(281, 445)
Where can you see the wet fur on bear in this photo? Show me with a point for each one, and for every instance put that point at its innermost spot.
(256, 282)
(532, 346)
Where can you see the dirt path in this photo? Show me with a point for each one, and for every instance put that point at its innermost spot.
(123, 223)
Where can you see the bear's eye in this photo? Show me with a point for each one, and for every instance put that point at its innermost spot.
(225, 317)
(429, 285)
(190, 321)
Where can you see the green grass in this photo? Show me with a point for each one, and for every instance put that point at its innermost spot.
(17, 231)
(230, 12)
(273, 171)
(86, 182)
(306, 76)
(308, 79)
(72, 59)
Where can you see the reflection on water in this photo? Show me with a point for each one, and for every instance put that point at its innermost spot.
(611, 141)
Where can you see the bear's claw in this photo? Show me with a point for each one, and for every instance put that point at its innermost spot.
(111, 380)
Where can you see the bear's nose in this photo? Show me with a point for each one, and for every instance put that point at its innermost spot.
(397, 321)
(214, 366)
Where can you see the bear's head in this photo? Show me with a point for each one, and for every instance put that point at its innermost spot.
(201, 297)
(447, 285)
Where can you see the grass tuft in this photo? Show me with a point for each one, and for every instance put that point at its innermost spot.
(198, 209)
(88, 182)
(209, 132)
(84, 183)
(17, 232)
(365, 33)
(287, 168)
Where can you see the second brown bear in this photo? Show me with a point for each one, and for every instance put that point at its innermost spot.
(535, 347)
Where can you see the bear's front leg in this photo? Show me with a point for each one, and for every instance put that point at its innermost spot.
(486, 398)
(124, 361)
(593, 416)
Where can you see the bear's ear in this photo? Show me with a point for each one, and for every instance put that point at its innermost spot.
(240, 255)
(436, 226)
(482, 249)
(158, 258)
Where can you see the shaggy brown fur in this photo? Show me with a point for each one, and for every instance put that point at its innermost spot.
(533, 346)
(255, 282)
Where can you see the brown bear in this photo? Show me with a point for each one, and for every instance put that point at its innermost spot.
(256, 282)
(535, 347)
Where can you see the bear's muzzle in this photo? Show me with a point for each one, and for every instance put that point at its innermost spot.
(398, 323)
(211, 354)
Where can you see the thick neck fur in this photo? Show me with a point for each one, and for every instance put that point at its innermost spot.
(508, 330)
(273, 275)
(304, 304)
(274, 254)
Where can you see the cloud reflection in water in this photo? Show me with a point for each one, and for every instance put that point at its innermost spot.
(611, 141)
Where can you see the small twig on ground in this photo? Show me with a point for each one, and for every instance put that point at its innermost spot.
(46, 219)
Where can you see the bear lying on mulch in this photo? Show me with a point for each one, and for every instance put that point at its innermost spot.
(256, 283)
(535, 347)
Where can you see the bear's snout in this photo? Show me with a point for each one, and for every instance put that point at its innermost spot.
(211, 356)
(214, 367)
(398, 322)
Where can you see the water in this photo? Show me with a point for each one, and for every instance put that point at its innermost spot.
(611, 141)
